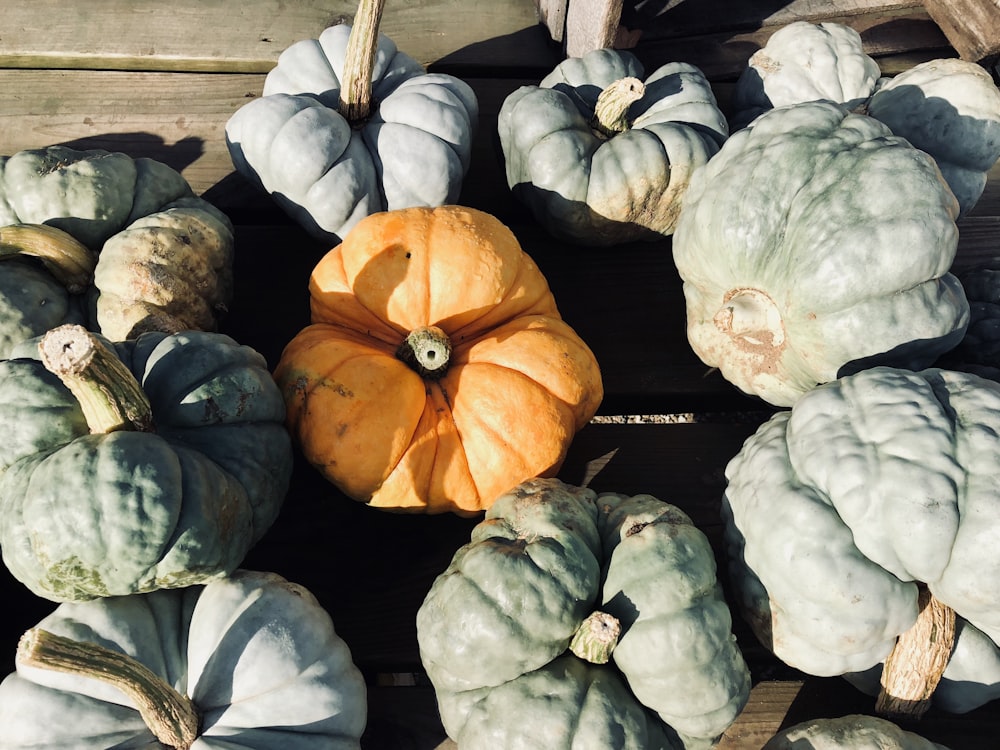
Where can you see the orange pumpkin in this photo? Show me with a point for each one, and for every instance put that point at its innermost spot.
(437, 372)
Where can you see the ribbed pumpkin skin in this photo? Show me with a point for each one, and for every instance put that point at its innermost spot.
(520, 382)
(31, 303)
(593, 189)
(494, 628)
(257, 655)
(85, 516)
(816, 243)
(836, 510)
(851, 732)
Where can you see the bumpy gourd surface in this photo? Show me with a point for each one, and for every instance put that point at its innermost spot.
(851, 732)
(814, 243)
(598, 189)
(494, 629)
(837, 509)
(258, 656)
(108, 514)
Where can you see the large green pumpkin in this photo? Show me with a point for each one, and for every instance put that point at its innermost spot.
(816, 243)
(602, 154)
(250, 661)
(867, 508)
(516, 634)
(173, 493)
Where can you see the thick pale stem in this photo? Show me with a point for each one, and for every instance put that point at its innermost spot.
(171, 717)
(915, 665)
(359, 61)
(66, 258)
(596, 637)
(751, 316)
(109, 395)
(611, 110)
(427, 350)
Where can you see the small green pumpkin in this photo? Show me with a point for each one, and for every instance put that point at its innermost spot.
(816, 243)
(153, 463)
(603, 155)
(337, 136)
(249, 661)
(592, 620)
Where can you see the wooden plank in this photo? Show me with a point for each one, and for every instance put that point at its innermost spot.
(197, 36)
(972, 26)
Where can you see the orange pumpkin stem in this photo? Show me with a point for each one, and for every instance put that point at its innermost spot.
(359, 61)
(169, 715)
(915, 665)
(427, 350)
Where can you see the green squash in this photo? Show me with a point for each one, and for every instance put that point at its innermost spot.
(816, 243)
(328, 165)
(948, 107)
(850, 732)
(861, 516)
(118, 244)
(602, 155)
(166, 483)
(248, 661)
(593, 621)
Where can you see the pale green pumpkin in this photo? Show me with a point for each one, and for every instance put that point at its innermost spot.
(510, 621)
(872, 501)
(816, 243)
(251, 660)
(850, 732)
(167, 484)
(601, 153)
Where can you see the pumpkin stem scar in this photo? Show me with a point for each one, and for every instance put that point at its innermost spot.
(69, 261)
(915, 665)
(611, 111)
(751, 316)
(359, 61)
(108, 393)
(427, 350)
(171, 716)
(596, 637)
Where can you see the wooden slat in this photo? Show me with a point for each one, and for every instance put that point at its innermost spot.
(972, 26)
(191, 35)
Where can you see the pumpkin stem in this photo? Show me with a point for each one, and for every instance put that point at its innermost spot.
(427, 350)
(751, 316)
(359, 61)
(917, 661)
(171, 716)
(596, 637)
(611, 111)
(109, 395)
(66, 258)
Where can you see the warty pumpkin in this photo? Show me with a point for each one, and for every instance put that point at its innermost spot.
(349, 125)
(249, 661)
(437, 371)
(117, 244)
(860, 528)
(816, 243)
(152, 463)
(602, 154)
(948, 107)
(573, 619)
(850, 732)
